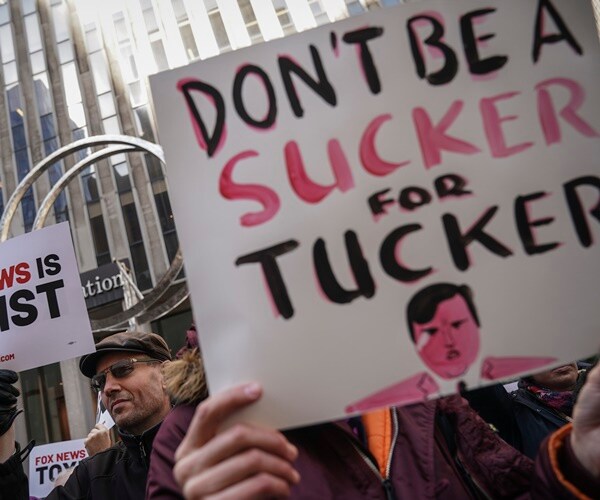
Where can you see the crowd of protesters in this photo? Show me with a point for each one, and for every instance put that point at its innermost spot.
(174, 443)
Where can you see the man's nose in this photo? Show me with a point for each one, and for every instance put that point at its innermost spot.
(111, 385)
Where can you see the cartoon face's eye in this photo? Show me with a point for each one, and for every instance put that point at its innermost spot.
(457, 324)
(430, 331)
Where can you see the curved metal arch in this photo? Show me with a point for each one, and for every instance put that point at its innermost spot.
(13, 202)
(139, 307)
(54, 193)
(127, 144)
(165, 307)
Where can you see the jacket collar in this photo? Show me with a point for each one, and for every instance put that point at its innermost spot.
(140, 444)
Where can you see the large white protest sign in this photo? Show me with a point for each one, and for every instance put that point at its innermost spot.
(43, 318)
(47, 461)
(377, 209)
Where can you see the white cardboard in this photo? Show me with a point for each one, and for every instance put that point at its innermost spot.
(40, 277)
(317, 363)
(47, 461)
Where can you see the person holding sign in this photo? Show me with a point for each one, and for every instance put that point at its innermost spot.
(11, 454)
(126, 371)
(186, 385)
(329, 460)
(541, 404)
(98, 440)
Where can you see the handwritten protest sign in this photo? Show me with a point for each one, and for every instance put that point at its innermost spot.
(47, 461)
(43, 318)
(375, 210)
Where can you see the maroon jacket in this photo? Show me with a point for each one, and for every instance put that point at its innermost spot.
(426, 462)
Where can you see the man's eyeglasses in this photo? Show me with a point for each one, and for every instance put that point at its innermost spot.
(120, 369)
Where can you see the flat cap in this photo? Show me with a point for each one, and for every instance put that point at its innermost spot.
(151, 344)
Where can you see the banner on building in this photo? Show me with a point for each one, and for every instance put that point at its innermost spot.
(102, 285)
(376, 210)
(48, 461)
(43, 318)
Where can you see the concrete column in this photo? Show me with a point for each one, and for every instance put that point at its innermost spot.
(9, 176)
(82, 237)
(34, 139)
(80, 407)
(151, 230)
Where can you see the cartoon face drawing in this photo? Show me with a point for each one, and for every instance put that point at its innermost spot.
(447, 335)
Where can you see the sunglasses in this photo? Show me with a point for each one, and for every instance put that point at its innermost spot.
(120, 369)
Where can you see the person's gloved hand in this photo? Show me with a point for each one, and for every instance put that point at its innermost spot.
(8, 399)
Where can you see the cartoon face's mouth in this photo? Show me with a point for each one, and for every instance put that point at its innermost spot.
(452, 354)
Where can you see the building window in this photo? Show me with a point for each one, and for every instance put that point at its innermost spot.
(28, 6)
(43, 398)
(90, 186)
(65, 51)
(189, 43)
(250, 20)
(60, 18)
(92, 38)
(32, 29)
(160, 56)
(122, 177)
(99, 235)
(143, 123)
(149, 17)
(100, 72)
(106, 104)
(136, 246)
(20, 151)
(47, 122)
(167, 224)
(111, 125)
(137, 92)
(4, 13)
(38, 64)
(7, 49)
(218, 28)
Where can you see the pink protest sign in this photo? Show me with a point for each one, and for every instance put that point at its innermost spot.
(374, 211)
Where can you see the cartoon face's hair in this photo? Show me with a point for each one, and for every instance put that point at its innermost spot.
(422, 306)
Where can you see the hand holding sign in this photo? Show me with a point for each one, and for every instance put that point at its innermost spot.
(8, 399)
(241, 462)
(97, 440)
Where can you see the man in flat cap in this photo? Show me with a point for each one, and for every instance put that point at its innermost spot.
(126, 371)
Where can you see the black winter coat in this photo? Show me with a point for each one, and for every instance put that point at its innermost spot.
(118, 473)
(521, 419)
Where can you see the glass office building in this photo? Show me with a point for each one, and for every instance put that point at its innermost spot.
(71, 69)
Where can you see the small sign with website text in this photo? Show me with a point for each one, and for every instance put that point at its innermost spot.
(43, 318)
